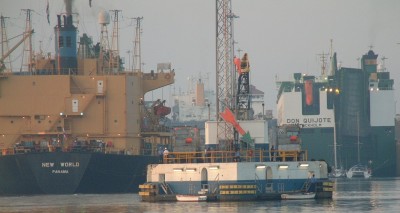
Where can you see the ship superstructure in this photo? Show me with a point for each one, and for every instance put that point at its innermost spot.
(345, 98)
(196, 104)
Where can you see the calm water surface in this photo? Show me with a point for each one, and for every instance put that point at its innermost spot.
(355, 195)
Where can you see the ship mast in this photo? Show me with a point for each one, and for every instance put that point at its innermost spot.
(4, 42)
(114, 52)
(323, 57)
(137, 57)
(104, 20)
(28, 42)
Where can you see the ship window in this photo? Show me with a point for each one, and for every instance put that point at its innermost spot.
(60, 41)
(69, 41)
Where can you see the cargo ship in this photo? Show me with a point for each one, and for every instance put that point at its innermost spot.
(347, 114)
(78, 122)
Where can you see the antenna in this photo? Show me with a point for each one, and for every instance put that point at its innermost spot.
(370, 47)
(323, 58)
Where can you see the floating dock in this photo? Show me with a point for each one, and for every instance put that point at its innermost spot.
(219, 177)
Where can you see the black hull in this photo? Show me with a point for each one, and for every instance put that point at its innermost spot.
(72, 173)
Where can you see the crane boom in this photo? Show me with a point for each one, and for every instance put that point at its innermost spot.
(16, 45)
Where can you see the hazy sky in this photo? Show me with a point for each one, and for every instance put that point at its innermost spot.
(280, 36)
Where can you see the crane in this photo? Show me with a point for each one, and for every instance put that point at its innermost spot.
(225, 85)
(27, 35)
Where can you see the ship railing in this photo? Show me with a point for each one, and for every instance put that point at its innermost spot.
(151, 129)
(306, 186)
(269, 186)
(166, 188)
(257, 182)
(214, 187)
(258, 155)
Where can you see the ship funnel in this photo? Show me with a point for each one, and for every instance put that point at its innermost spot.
(66, 46)
(58, 20)
(297, 77)
(369, 62)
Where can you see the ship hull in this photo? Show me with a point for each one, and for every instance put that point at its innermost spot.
(72, 173)
(234, 181)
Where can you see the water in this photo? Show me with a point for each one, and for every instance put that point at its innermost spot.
(355, 195)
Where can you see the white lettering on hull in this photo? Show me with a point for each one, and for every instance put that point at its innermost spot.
(70, 164)
(311, 122)
(47, 164)
(61, 165)
(59, 171)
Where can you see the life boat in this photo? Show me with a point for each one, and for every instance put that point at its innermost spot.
(162, 110)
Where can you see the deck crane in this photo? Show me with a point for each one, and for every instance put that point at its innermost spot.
(231, 96)
(243, 100)
(27, 35)
(243, 97)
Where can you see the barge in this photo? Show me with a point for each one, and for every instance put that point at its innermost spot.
(220, 178)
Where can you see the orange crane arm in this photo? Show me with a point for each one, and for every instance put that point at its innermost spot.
(228, 117)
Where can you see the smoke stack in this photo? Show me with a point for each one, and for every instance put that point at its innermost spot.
(65, 21)
(68, 6)
(70, 20)
(59, 20)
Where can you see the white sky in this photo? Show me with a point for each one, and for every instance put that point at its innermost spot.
(280, 36)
